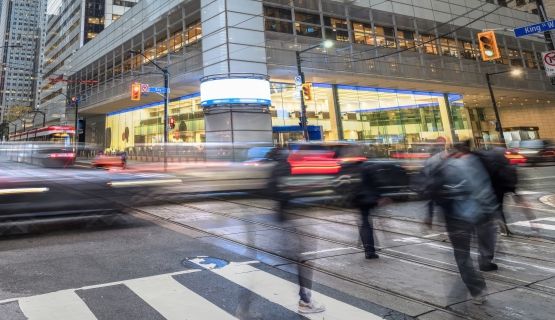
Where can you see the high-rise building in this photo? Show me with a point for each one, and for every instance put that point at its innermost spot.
(398, 74)
(20, 34)
(528, 5)
(70, 25)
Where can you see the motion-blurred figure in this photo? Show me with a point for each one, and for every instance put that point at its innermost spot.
(460, 185)
(503, 177)
(292, 243)
(368, 198)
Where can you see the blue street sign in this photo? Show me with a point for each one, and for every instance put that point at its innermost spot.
(160, 90)
(535, 28)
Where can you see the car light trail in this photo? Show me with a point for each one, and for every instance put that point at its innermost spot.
(143, 182)
(23, 190)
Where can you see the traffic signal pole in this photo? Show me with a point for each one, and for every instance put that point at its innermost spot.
(166, 105)
(543, 17)
(495, 109)
(304, 120)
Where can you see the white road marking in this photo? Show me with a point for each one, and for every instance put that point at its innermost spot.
(174, 301)
(534, 223)
(285, 293)
(55, 306)
(329, 250)
(102, 285)
(497, 258)
(528, 193)
(537, 178)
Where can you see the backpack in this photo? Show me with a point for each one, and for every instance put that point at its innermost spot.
(502, 174)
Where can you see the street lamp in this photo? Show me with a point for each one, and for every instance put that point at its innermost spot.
(304, 121)
(166, 74)
(515, 72)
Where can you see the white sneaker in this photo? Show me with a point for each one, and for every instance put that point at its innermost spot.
(310, 307)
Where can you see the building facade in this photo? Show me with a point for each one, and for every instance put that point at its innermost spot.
(70, 25)
(399, 73)
(20, 41)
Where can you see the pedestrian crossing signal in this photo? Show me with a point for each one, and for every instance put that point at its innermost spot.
(136, 91)
(307, 92)
(488, 46)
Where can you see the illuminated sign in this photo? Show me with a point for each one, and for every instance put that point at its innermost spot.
(235, 91)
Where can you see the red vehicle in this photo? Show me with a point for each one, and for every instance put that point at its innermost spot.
(110, 160)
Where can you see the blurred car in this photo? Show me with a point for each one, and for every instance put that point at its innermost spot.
(107, 160)
(317, 170)
(531, 152)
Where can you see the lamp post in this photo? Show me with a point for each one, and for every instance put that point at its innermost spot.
(304, 121)
(166, 74)
(515, 73)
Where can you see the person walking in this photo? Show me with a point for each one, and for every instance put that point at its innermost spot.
(292, 243)
(462, 188)
(368, 198)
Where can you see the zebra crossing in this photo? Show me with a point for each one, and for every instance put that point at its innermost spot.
(174, 296)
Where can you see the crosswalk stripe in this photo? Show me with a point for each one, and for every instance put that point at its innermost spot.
(174, 301)
(285, 293)
(56, 306)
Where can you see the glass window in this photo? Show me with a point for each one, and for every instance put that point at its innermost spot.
(385, 37)
(278, 26)
(406, 40)
(363, 34)
(308, 30)
(335, 23)
(429, 44)
(307, 17)
(337, 34)
(278, 13)
(468, 51)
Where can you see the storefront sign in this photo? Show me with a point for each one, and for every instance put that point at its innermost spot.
(548, 59)
(235, 91)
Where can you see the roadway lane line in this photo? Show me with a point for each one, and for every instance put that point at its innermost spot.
(56, 306)
(329, 250)
(285, 293)
(174, 301)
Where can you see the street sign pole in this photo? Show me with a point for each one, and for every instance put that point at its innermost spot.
(543, 17)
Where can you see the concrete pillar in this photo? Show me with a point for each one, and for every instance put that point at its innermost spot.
(446, 118)
(235, 89)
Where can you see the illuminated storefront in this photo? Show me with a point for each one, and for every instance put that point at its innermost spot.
(392, 117)
(143, 125)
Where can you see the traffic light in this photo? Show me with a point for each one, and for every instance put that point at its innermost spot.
(136, 91)
(488, 46)
(307, 92)
(172, 123)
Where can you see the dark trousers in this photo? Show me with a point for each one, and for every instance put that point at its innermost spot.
(460, 234)
(366, 230)
(486, 234)
(294, 246)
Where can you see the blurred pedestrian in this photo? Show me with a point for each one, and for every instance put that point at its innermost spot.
(462, 188)
(503, 177)
(369, 196)
(292, 243)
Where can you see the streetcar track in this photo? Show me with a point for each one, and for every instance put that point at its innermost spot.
(319, 269)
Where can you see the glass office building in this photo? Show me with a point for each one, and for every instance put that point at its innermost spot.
(397, 118)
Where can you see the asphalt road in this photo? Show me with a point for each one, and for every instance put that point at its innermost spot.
(150, 261)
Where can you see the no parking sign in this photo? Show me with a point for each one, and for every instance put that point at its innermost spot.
(548, 59)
